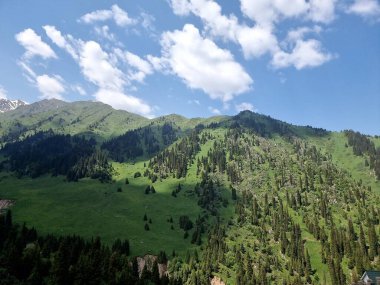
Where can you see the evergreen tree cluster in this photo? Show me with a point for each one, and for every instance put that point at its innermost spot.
(28, 258)
(148, 140)
(46, 152)
(176, 160)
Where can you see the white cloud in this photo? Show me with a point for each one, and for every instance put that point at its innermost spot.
(306, 53)
(301, 32)
(3, 93)
(65, 42)
(211, 14)
(96, 67)
(365, 8)
(203, 65)
(322, 11)
(120, 16)
(244, 106)
(34, 45)
(142, 66)
(96, 16)
(101, 69)
(181, 7)
(121, 101)
(214, 110)
(147, 21)
(104, 31)
(257, 41)
(50, 86)
(269, 12)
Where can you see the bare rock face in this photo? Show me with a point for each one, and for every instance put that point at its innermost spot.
(148, 261)
(217, 281)
(9, 105)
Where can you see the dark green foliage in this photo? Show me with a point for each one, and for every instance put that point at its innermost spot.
(46, 152)
(185, 223)
(175, 160)
(148, 140)
(137, 174)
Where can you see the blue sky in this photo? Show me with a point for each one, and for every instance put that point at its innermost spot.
(308, 62)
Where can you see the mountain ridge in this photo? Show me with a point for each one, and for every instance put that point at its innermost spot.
(7, 105)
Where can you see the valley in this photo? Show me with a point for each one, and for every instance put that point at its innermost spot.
(268, 202)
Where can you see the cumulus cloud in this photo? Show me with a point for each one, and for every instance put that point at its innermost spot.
(34, 45)
(120, 16)
(257, 41)
(101, 68)
(96, 67)
(306, 53)
(201, 64)
(260, 38)
(3, 93)
(269, 12)
(322, 11)
(365, 8)
(244, 106)
(213, 110)
(50, 86)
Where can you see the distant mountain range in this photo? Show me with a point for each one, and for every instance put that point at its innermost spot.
(9, 105)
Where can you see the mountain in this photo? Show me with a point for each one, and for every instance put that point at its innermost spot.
(9, 105)
(87, 118)
(245, 199)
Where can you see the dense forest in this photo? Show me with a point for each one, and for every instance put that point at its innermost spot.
(46, 152)
(147, 141)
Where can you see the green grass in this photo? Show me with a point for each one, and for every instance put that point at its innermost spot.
(343, 156)
(90, 208)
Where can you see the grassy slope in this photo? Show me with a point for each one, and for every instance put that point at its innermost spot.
(72, 118)
(334, 143)
(90, 208)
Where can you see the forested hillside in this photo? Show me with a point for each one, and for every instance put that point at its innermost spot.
(247, 199)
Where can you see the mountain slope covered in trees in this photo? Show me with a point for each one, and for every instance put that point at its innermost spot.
(248, 199)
